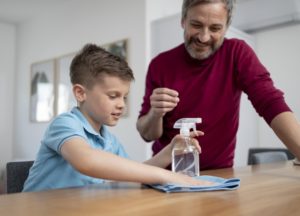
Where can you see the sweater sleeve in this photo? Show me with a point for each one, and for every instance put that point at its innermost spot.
(150, 85)
(254, 79)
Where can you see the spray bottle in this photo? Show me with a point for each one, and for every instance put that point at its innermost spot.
(185, 156)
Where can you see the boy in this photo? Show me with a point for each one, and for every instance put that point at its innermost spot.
(77, 148)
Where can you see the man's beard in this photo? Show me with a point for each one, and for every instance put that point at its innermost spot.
(200, 54)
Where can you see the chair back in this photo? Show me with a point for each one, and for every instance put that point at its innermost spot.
(16, 174)
(269, 157)
(253, 151)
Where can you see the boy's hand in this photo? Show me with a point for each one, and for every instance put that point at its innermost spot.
(189, 181)
(164, 157)
(179, 138)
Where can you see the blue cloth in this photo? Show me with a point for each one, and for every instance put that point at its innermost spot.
(50, 170)
(220, 184)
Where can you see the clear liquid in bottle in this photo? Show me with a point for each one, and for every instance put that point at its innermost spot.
(185, 159)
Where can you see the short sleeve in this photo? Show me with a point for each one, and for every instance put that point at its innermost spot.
(120, 151)
(150, 85)
(63, 128)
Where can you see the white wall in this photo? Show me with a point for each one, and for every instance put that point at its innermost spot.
(279, 50)
(157, 9)
(63, 29)
(7, 60)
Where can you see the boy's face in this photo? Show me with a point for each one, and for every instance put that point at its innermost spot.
(105, 102)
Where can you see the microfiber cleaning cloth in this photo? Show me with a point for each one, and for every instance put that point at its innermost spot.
(219, 184)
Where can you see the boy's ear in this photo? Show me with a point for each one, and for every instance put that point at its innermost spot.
(79, 92)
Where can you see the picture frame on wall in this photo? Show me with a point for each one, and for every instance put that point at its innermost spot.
(119, 48)
(42, 92)
(65, 98)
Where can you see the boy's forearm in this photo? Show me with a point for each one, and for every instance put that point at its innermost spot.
(104, 165)
(161, 159)
(121, 169)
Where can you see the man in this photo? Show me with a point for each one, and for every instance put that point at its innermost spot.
(204, 77)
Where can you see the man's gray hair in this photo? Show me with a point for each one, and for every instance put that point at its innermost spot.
(188, 4)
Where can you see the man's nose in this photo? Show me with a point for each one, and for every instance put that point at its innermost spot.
(203, 36)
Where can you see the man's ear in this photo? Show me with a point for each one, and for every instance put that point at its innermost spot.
(182, 23)
(79, 92)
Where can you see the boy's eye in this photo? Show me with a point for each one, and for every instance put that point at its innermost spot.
(112, 96)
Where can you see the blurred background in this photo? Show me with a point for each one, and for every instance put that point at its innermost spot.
(33, 31)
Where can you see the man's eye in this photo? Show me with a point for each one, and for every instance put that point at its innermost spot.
(112, 96)
(197, 26)
(215, 29)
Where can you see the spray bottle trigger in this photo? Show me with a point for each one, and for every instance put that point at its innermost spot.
(194, 128)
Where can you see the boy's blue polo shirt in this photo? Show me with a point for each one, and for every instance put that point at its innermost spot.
(50, 170)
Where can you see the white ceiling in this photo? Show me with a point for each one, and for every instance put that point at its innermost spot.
(16, 11)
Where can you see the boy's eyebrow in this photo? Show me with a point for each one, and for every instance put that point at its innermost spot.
(116, 91)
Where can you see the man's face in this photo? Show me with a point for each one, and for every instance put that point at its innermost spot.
(204, 27)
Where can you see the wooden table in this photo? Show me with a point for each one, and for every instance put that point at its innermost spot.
(272, 189)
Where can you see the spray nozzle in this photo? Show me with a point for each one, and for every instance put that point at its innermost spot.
(185, 124)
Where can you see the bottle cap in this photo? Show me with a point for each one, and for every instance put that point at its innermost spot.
(185, 124)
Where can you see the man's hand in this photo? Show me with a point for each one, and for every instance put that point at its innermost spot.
(163, 100)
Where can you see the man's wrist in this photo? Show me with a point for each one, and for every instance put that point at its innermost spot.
(155, 115)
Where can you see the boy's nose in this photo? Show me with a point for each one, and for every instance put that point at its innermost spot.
(121, 103)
